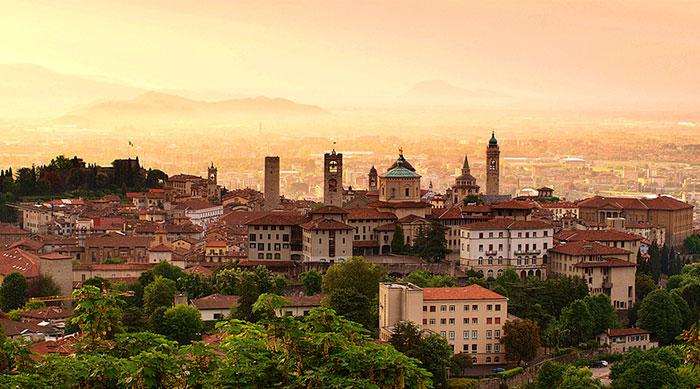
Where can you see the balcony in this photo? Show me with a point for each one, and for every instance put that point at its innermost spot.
(528, 252)
(491, 252)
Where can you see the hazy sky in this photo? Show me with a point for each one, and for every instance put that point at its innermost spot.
(632, 55)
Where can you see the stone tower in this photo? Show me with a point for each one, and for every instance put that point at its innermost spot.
(213, 192)
(272, 183)
(493, 166)
(372, 179)
(333, 179)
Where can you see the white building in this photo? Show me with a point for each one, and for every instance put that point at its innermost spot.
(495, 245)
(200, 212)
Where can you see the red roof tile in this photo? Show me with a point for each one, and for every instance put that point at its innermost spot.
(325, 224)
(304, 300)
(588, 248)
(626, 331)
(503, 224)
(369, 214)
(329, 210)
(277, 219)
(471, 292)
(514, 204)
(608, 262)
(596, 236)
(19, 261)
(215, 301)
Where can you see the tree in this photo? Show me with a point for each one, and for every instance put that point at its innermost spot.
(427, 280)
(659, 314)
(311, 281)
(42, 286)
(435, 353)
(97, 313)
(431, 244)
(356, 274)
(195, 285)
(472, 199)
(167, 270)
(578, 321)
(647, 375)
(604, 315)
(577, 378)
(692, 244)
(159, 293)
(13, 292)
(353, 306)
(183, 324)
(643, 285)
(398, 241)
(405, 337)
(521, 339)
(550, 375)
(554, 334)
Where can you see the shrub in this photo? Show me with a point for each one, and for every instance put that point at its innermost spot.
(462, 383)
(511, 373)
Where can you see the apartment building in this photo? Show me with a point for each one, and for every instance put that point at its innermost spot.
(471, 318)
(606, 270)
(275, 235)
(620, 340)
(327, 236)
(495, 245)
(611, 238)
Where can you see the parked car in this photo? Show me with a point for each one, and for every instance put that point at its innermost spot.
(599, 364)
(498, 370)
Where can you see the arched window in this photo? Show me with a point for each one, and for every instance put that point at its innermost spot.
(488, 359)
(490, 274)
(500, 272)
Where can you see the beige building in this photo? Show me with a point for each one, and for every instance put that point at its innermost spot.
(471, 318)
(327, 236)
(215, 306)
(495, 245)
(275, 235)
(399, 191)
(620, 340)
(606, 270)
(611, 238)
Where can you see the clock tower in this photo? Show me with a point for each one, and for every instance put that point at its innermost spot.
(213, 191)
(493, 166)
(333, 179)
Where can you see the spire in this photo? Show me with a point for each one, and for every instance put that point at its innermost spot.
(465, 167)
(493, 141)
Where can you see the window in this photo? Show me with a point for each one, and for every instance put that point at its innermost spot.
(488, 348)
(498, 307)
(466, 307)
(432, 308)
(474, 350)
(261, 256)
(465, 320)
(443, 321)
(489, 307)
(465, 336)
(465, 348)
(475, 320)
(497, 348)
(452, 321)
(252, 237)
(475, 307)
(451, 335)
(432, 322)
(475, 334)
(489, 320)
(443, 334)
(443, 308)
(481, 235)
(497, 334)
(425, 321)
(481, 247)
(489, 334)
(425, 308)
(452, 308)
(498, 320)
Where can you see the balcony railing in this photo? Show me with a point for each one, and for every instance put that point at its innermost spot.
(491, 252)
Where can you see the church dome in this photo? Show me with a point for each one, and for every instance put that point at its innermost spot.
(402, 162)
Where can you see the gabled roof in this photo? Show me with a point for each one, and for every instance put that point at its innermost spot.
(325, 224)
(215, 301)
(369, 214)
(195, 204)
(508, 224)
(471, 292)
(514, 204)
(626, 331)
(20, 261)
(612, 203)
(11, 229)
(304, 300)
(48, 313)
(666, 203)
(329, 210)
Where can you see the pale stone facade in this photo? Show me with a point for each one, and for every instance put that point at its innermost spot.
(471, 318)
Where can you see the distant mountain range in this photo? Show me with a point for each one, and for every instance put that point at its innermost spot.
(31, 90)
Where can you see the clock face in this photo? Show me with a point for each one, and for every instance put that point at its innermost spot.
(333, 167)
(492, 164)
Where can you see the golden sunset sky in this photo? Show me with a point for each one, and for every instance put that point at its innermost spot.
(592, 54)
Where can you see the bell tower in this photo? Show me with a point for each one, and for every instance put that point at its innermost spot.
(333, 179)
(213, 191)
(372, 179)
(493, 166)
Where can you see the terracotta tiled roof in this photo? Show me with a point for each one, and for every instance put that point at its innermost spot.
(215, 301)
(304, 300)
(55, 257)
(117, 240)
(411, 219)
(195, 204)
(369, 214)
(666, 203)
(503, 224)
(114, 266)
(588, 248)
(626, 331)
(390, 227)
(514, 204)
(596, 236)
(608, 262)
(215, 243)
(325, 224)
(560, 204)
(329, 210)
(612, 203)
(48, 313)
(11, 229)
(199, 269)
(20, 261)
(399, 204)
(277, 219)
(471, 292)
(364, 243)
(13, 328)
(161, 248)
